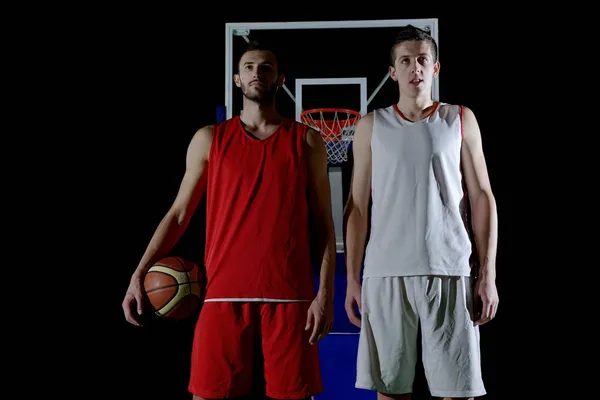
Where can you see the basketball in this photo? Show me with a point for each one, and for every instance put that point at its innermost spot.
(175, 288)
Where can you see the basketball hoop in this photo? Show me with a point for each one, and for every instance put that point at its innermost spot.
(336, 130)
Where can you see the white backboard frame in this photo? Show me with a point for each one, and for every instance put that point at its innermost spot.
(245, 28)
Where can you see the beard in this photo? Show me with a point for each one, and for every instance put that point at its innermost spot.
(266, 96)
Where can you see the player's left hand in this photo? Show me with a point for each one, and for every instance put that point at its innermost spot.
(486, 301)
(320, 318)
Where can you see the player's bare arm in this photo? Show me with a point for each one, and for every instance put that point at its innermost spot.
(176, 220)
(356, 214)
(484, 215)
(320, 318)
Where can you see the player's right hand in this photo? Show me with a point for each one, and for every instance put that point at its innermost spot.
(133, 304)
(353, 301)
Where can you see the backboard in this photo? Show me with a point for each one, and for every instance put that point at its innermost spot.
(341, 64)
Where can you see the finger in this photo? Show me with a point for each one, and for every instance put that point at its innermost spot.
(127, 314)
(485, 310)
(325, 331)
(479, 315)
(316, 330)
(355, 319)
(129, 317)
(329, 327)
(485, 313)
(309, 320)
(352, 316)
(490, 311)
(140, 303)
(359, 304)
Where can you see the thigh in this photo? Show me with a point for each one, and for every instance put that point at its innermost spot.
(291, 363)
(387, 349)
(223, 350)
(450, 339)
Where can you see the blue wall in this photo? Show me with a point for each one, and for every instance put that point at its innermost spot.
(338, 350)
(338, 366)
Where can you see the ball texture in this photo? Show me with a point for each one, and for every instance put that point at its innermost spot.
(174, 287)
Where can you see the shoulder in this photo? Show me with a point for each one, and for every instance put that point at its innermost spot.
(467, 114)
(204, 134)
(379, 116)
(370, 117)
(222, 128)
(201, 142)
(309, 137)
(313, 138)
(219, 130)
(308, 134)
(464, 114)
(448, 110)
(470, 126)
(364, 126)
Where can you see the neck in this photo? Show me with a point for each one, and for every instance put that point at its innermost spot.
(415, 107)
(256, 114)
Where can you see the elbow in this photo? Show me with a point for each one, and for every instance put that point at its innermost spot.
(178, 217)
(354, 213)
(348, 210)
(487, 197)
(182, 219)
(484, 202)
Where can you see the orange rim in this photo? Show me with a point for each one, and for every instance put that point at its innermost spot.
(329, 124)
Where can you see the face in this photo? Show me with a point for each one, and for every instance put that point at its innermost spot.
(258, 77)
(414, 68)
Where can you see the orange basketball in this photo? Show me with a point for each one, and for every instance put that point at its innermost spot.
(175, 287)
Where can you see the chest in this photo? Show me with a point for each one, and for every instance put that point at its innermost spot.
(279, 157)
(416, 142)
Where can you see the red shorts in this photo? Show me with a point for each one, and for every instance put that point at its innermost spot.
(238, 344)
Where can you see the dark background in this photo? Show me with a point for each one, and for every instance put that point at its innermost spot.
(158, 80)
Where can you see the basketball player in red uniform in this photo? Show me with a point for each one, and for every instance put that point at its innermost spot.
(268, 218)
(421, 162)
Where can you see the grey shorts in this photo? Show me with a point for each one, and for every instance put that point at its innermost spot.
(392, 309)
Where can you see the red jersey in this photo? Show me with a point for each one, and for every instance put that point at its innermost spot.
(257, 216)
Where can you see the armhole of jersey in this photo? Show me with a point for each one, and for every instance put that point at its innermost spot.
(466, 212)
(376, 115)
(212, 143)
(304, 136)
(461, 111)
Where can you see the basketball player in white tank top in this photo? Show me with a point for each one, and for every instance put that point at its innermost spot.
(413, 158)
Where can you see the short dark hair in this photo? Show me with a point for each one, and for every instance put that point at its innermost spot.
(412, 33)
(254, 45)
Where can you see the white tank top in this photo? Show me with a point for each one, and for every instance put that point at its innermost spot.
(417, 216)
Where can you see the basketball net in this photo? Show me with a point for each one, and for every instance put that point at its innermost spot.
(336, 126)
